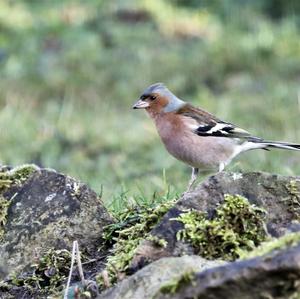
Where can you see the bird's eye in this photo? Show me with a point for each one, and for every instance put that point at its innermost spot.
(152, 98)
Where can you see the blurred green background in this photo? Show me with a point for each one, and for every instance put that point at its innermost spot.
(71, 70)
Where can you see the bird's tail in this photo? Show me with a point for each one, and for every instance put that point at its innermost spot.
(257, 143)
(280, 145)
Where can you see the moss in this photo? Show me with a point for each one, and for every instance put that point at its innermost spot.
(296, 295)
(173, 286)
(236, 225)
(133, 226)
(15, 176)
(288, 240)
(294, 200)
(4, 204)
(157, 241)
(47, 275)
(8, 178)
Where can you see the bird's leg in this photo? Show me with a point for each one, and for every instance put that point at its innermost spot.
(193, 178)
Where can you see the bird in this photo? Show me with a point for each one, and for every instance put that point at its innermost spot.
(197, 137)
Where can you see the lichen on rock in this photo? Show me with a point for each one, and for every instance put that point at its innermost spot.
(235, 225)
(293, 201)
(168, 274)
(172, 286)
(4, 204)
(15, 176)
(46, 210)
(272, 245)
(8, 178)
(160, 242)
(46, 276)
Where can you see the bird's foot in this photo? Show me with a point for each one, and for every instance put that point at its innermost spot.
(190, 187)
(192, 181)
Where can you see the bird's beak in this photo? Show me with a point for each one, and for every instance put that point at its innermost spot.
(140, 105)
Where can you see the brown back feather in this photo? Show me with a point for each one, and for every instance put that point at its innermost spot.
(201, 116)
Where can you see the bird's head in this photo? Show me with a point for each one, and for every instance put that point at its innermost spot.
(157, 98)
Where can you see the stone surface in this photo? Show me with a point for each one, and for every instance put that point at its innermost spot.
(278, 195)
(276, 276)
(49, 210)
(46, 209)
(148, 281)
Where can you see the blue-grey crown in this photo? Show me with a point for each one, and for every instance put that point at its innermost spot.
(174, 102)
(156, 87)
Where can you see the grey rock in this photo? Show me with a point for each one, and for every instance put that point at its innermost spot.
(274, 275)
(147, 282)
(271, 276)
(271, 271)
(278, 195)
(48, 210)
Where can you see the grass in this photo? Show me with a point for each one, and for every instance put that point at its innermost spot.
(71, 70)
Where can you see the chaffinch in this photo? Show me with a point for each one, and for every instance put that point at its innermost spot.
(195, 136)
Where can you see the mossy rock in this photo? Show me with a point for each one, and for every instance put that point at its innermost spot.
(278, 196)
(234, 226)
(46, 210)
(270, 271)
(132, 227)
(275, 274)
(166, 274)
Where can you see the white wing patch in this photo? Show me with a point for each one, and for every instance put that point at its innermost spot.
(218, 127)
(221, 129)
